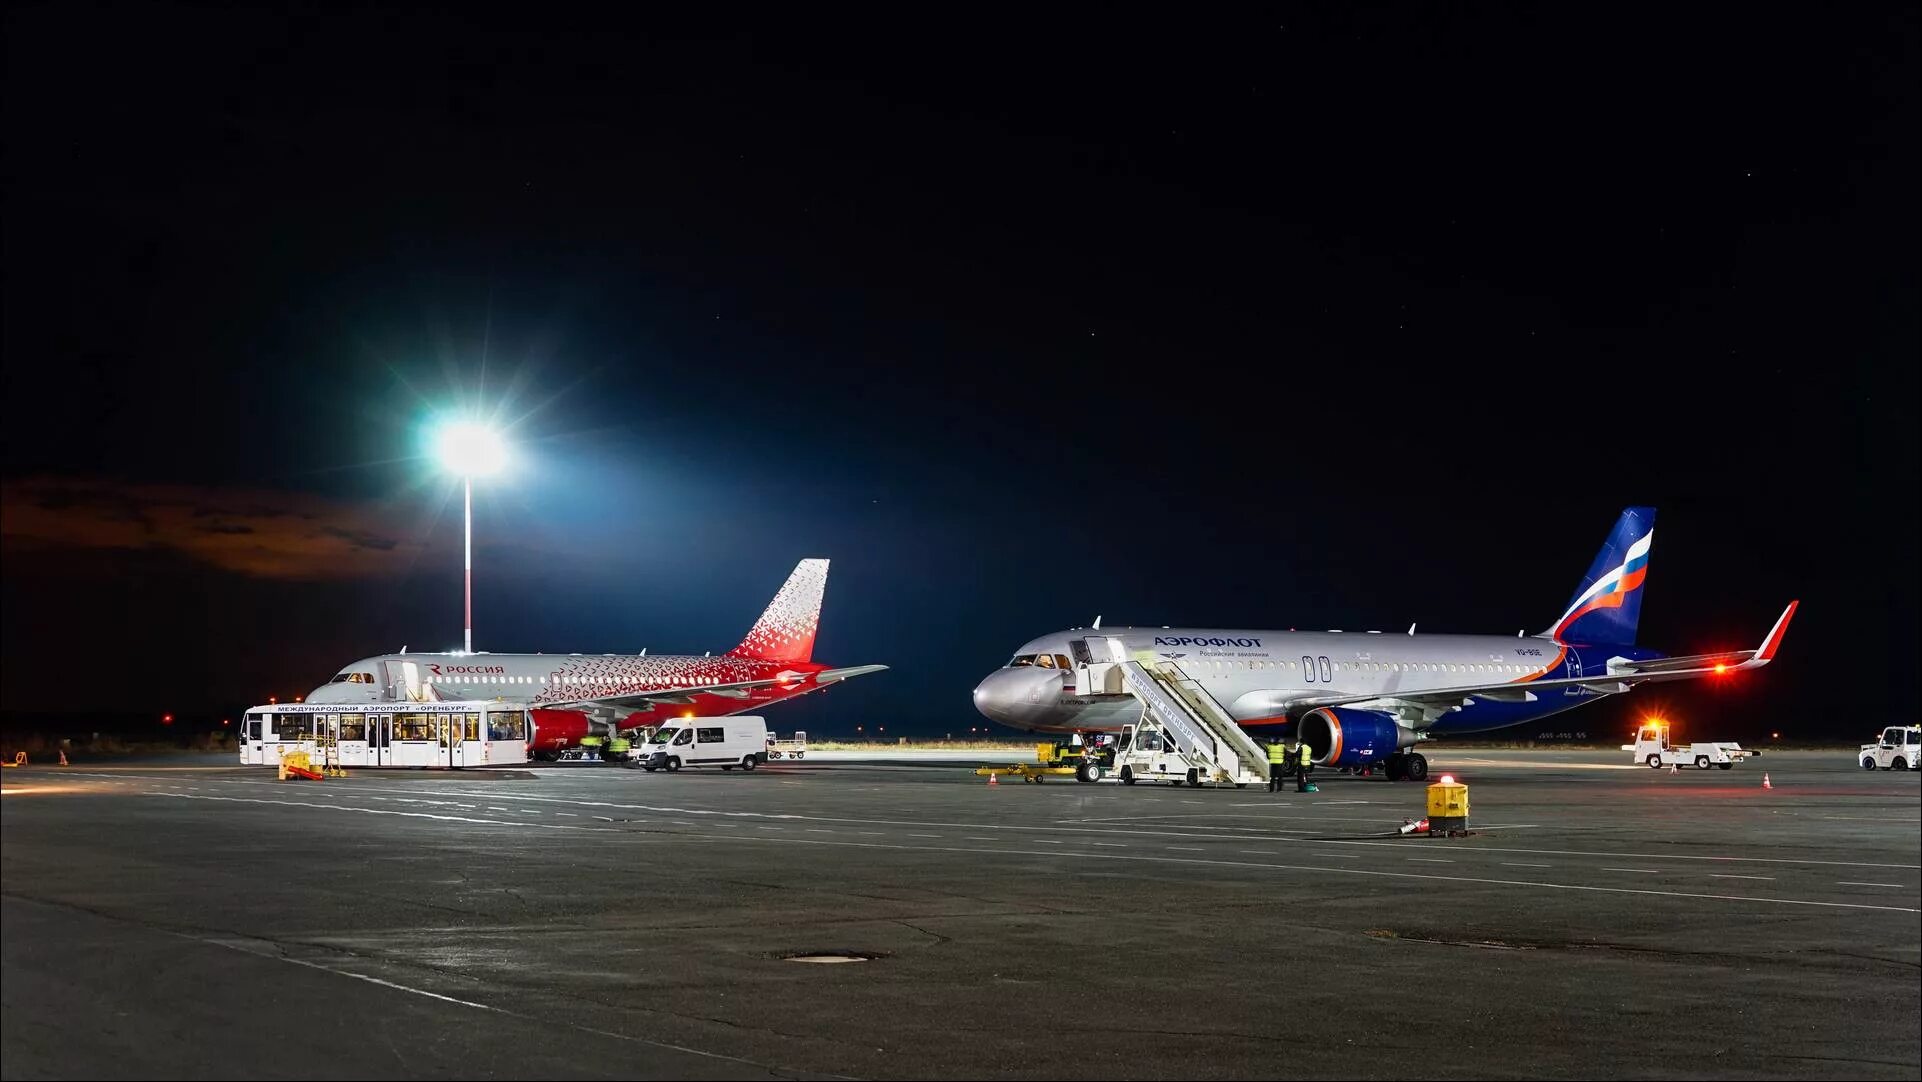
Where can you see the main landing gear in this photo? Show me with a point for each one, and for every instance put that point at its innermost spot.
(1412, 766)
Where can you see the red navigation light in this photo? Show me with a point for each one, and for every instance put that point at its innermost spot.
(1775, 736)
(1721, 667)
(166, 719)
(298, 698)
(272, 699)
(224, 721)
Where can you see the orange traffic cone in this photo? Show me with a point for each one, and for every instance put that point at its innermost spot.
(63, 756)
(994, 779)
(1765, 780)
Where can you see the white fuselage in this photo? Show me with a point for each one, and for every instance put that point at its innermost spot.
(1253, 673)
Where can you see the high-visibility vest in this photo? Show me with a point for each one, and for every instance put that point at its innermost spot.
(1307, 755)
(1277, 753)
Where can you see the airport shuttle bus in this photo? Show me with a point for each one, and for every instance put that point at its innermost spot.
(439, 734)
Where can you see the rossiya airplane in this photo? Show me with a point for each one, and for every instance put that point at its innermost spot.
(1365, 699)
(574, 695)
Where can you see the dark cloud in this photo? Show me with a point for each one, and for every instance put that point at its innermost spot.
(362, 539)
(262, 535)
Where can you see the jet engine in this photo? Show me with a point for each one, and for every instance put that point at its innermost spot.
(558, 730)
(1339, 736)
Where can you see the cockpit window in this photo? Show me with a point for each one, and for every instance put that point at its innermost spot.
(1046, 661)
(352, 678)
(1024, 659)
(1062, 661)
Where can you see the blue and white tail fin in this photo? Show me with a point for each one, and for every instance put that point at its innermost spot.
(1609, 600)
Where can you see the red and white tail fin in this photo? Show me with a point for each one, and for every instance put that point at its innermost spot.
(785, 632)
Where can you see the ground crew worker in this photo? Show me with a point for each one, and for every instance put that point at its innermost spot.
(1277, 764)
(1305, 757)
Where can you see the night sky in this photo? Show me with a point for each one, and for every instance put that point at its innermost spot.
(1296, 318)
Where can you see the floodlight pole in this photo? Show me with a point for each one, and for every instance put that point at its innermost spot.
(467, 484)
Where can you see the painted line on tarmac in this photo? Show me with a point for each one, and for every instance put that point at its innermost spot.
(1850, 883)
(1651, 856)
(364, 811)
(1645, 871)
(1163, 833)
(271, 952)
(1724, 875)
(1215, 862)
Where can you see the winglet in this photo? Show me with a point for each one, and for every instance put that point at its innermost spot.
(1774, 640)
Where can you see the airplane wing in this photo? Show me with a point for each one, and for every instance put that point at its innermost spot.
(1623, 674)
(740, 689)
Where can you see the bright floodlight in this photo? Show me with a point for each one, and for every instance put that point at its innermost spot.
(470, 450)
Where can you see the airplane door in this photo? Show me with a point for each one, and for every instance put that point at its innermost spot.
(403, 680)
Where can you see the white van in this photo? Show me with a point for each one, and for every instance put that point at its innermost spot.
(723, 742)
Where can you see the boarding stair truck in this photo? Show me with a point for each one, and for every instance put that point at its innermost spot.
(726, 742)
(1897, 750)
(1147, 751)
(1195, 738)
(1652, 747)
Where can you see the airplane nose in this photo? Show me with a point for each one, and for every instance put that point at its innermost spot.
(1017, 696)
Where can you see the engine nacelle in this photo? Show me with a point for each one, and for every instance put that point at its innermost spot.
(557, 730)
(1339, 736)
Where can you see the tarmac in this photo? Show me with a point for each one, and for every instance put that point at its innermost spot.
(189, 917)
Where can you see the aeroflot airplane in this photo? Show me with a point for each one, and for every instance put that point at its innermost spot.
(575, 695)
(1361, 699)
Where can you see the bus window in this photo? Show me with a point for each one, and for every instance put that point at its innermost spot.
(253, 728)
(353, 727)
(412, 727)
(293, 726)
